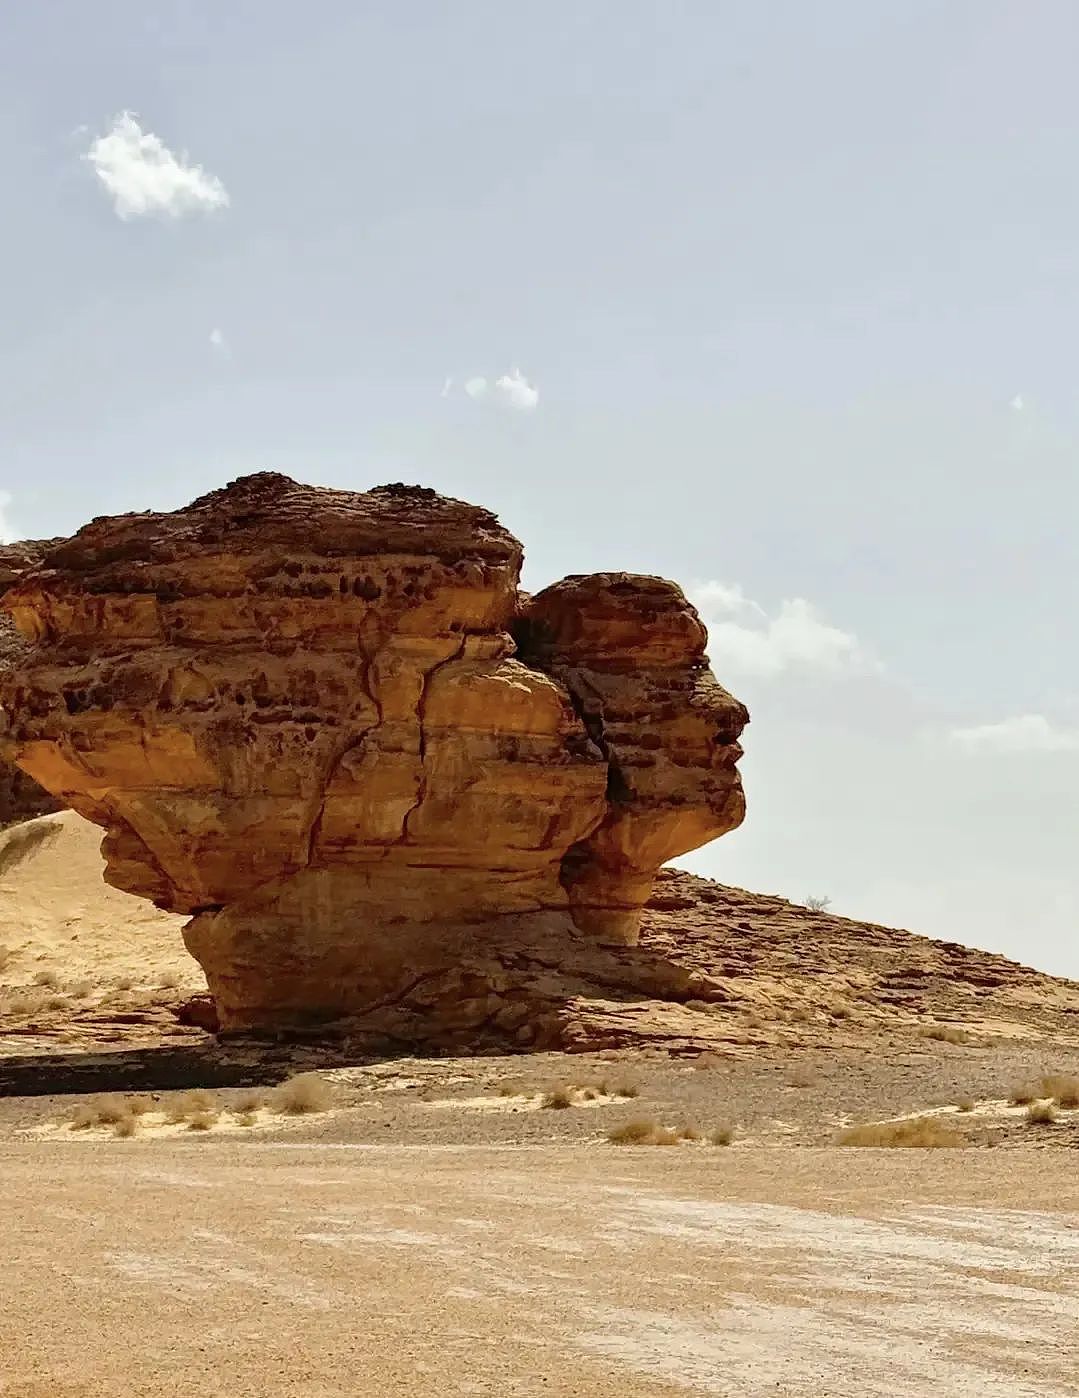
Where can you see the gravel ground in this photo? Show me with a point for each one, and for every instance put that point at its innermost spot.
(274, 1267)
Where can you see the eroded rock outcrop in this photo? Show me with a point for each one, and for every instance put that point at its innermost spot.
(302, 719)
(20, 796)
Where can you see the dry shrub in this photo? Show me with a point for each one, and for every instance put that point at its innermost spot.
(802, 1077)
(1063, 1088)
(56, 1002)
(917, 1131)
(508, 1089)
(248, 1101)
(722, 1136)
(965, 1104)
(642, 1132)
(689, 1133)
(189, 1104)
(946, 1034)
(202, 1121)
(558, 1099)
(81, 989)
(1041, 1114)
(1022, 1094)
(83, 1117)
(110, 1109)
(125, 983)
(627, 1090)
(305, 1093)
(170, 980)
(139, 1106)
(47, 978)
(126, 1127)
(246, 1118)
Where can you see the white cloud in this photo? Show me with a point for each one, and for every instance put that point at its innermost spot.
(144, 178)
(7, 534)
(219, 344)
(1017, 403)
(744, 639)
(447, 387)
(512, 390)
(517, 391)
(1023, 733)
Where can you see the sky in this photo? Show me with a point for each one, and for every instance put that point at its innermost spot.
(778, 300)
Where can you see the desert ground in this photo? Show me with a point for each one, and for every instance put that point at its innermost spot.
(719, 1212)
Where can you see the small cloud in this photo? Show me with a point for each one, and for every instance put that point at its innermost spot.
(144, 178)
(1023, 733)
(744, 639)
(219, 344)
(7, 533)
(512, 390)
(517, 391)
(1017, 403)
(447, 387)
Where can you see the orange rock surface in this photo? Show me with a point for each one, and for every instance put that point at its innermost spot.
(302, 718)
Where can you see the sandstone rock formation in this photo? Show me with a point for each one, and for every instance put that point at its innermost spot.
(20, 796)
(302, 719)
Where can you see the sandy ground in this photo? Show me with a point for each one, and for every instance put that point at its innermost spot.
(163, 1268)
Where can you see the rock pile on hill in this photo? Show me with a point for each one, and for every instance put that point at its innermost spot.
(329, 728)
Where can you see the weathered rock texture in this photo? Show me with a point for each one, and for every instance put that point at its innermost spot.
(303, 720)
(20, 796)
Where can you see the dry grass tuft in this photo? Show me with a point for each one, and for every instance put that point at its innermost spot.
(965, 1104)
(1063, 1088)
(125, 983)
(642, 1132)
(202, 1121)
(557, 1100)
(946, 1034)
(170, 980)
(922, 1132)
(108, 1110)
(246, 1119)
(722, 1136)
(303, 1094)
(126, 1127)
(249, 1100)
(197, 1102)
(1041, 1114)
(49, 979)
(1022, 1094)
(627, 1090)
(81, 989)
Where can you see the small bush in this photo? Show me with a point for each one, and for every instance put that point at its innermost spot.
(246, 1118)
(249, 1101)
(642, 1132)
(965, 1104)
(125, 983)
(722, 1136)
(818, 905)
(923, 1132)
(83, 1117)
(1062, 1088)
(110, 1109)
(557, 1100)
(202, 1121)
(1021, 1095)
(139, 1106)
(126, 1127)
(305, 1093)
(946, 1034)
(627, 1090)
(81, 989)
(48, 979)
(189, 1104)
(1041, 1114)
(170, 980)
(689, 1133)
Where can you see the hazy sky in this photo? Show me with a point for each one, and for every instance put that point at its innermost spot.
(777, 299)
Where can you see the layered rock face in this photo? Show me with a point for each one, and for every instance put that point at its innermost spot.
(302, 719)
(20, 796)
